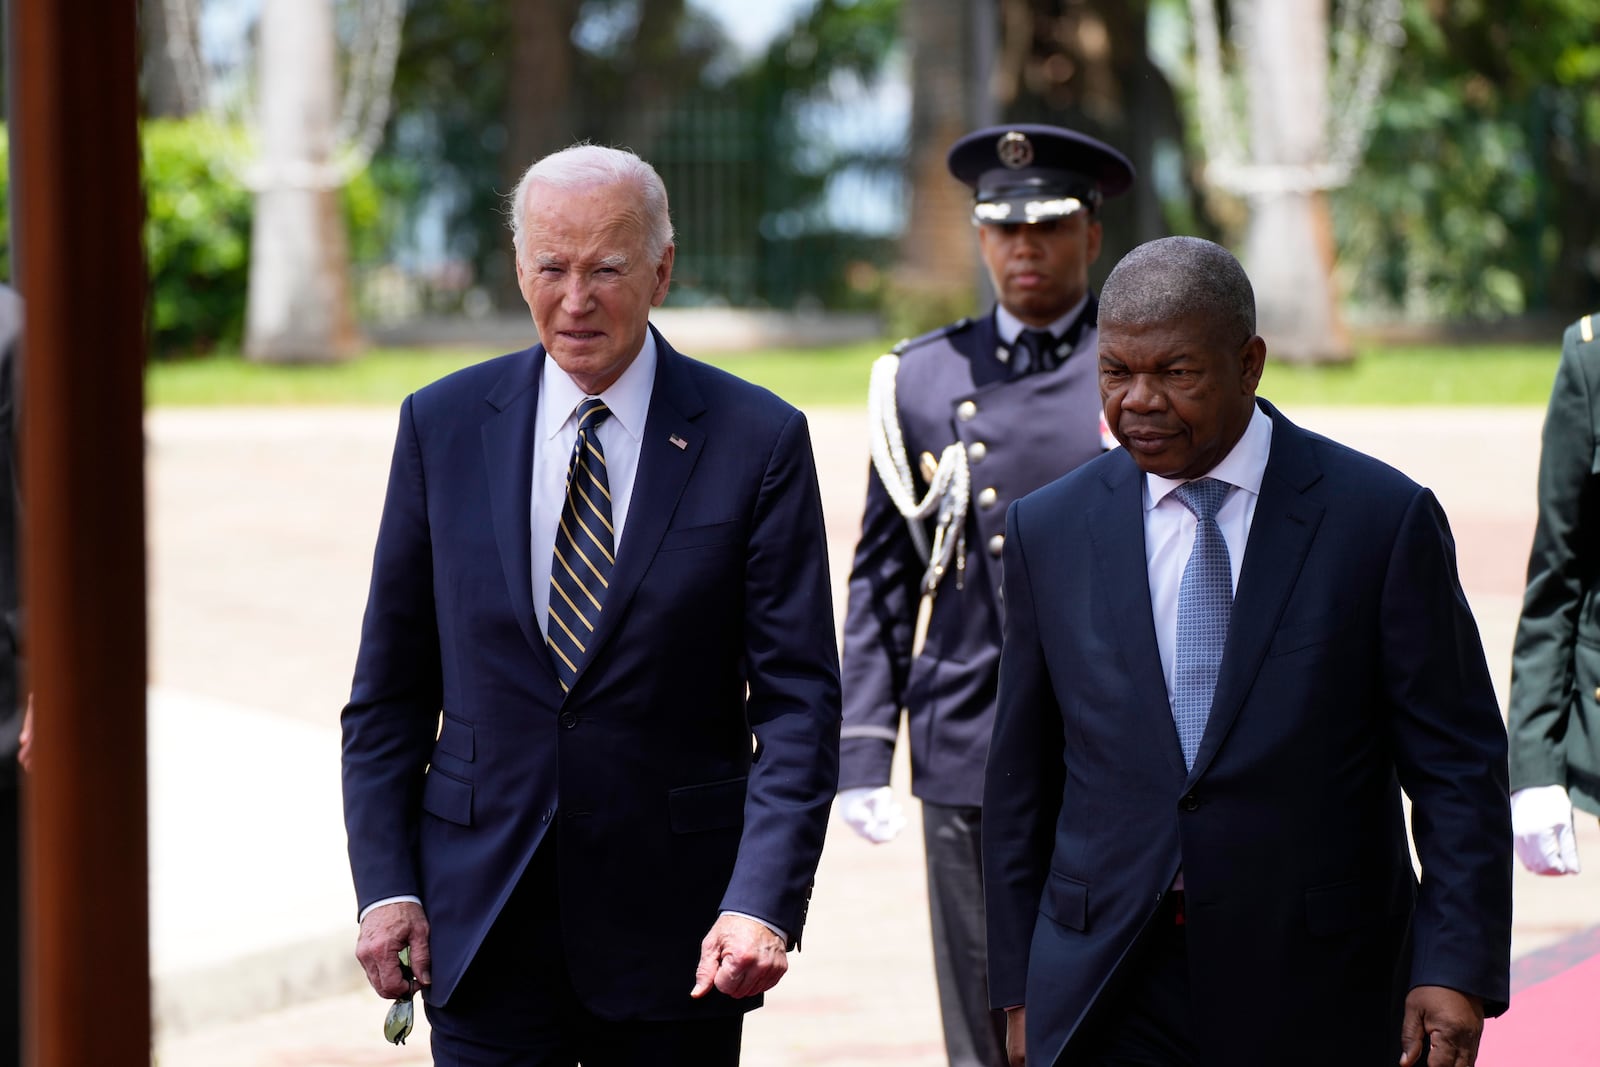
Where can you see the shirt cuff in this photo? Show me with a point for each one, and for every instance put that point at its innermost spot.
(368, 910)
(758, 919)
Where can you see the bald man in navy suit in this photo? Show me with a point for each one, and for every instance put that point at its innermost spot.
(1229, 647)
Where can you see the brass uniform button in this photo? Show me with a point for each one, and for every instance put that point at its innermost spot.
(987, 498)
(966, 411)
(976, 451)
(997, 545)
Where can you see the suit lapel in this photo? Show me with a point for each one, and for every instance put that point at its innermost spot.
(508, 457)
(1116, 529)
(1280, 536)
(667, 455)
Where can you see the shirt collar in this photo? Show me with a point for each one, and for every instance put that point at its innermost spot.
(1244, 465)
(1009, 326)
(628, 398)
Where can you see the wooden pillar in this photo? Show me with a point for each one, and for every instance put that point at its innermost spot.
(76, 209)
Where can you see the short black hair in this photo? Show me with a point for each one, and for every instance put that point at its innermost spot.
(1180, 277)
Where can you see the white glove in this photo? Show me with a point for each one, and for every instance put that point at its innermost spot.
(1541, 827)
(872, 812)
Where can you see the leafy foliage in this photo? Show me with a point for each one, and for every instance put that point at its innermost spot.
(457, 93)
(1480, 195)
(197, 235)
(197, 232)
(447, 124)
(777, 244)
(745, 173)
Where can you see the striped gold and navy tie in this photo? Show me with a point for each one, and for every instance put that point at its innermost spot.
(585, 551)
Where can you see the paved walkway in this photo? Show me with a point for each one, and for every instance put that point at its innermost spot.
(261, 537)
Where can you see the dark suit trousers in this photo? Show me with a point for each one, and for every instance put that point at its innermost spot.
(1145, 1018)
(515, 1006)
(974, 1035)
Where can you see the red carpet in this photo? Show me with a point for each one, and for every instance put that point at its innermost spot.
(1555, 1009)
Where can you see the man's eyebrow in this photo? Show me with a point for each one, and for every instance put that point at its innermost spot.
(616, 260)
(547, 259)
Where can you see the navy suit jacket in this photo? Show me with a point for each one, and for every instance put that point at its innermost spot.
(692, 765)
(1352, 670)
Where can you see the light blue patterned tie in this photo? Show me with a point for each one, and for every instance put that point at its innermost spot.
(1205, 598)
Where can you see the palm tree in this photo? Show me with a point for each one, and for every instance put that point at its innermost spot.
(300, 306)
(1288, 244)
(948, 45)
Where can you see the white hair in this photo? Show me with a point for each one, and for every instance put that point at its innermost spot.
(586, 165)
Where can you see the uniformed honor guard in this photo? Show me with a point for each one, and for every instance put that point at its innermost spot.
(1554, 716)
(964, 420)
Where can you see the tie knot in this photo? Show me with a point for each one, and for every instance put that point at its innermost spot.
(1202, 496)
(1039, 343)
(591, 413)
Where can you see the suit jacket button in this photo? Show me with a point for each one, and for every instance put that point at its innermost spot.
(966, 410)
(1597, 692)
(997, 545)
(987, 498)
(568, 720)
(1190, 802)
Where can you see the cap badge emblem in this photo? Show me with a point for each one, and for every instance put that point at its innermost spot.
(1015, 150)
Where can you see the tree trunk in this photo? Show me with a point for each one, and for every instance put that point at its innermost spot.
(949, 45)
(1086, 66)
(299, 304)
(1288, 245)
(169, 90)
(650, 79)
(538, 110)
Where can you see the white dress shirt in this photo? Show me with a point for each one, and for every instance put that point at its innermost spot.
(555, 432)
(1008, 326)
(1169, 533)
(1169, 528)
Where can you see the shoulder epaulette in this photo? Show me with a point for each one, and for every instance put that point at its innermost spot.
(932, 335)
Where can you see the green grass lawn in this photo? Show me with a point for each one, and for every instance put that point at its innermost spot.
(1422, 374)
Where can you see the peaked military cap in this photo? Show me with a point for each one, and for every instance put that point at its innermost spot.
(1029, 173)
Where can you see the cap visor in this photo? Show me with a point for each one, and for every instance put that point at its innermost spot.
(1025, 209)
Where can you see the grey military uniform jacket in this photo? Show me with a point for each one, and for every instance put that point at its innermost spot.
(1554, 719)
(1019, 433)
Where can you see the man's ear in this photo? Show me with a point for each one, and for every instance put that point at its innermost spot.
(1093, 237)
(663, 276)
(1254, 357)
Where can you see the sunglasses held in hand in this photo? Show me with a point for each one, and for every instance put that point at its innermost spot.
(402, 1016)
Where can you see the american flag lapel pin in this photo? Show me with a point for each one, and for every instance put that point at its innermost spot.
(680, 442)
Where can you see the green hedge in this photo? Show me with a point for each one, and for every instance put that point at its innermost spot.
(197, 232)
(196, 235)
